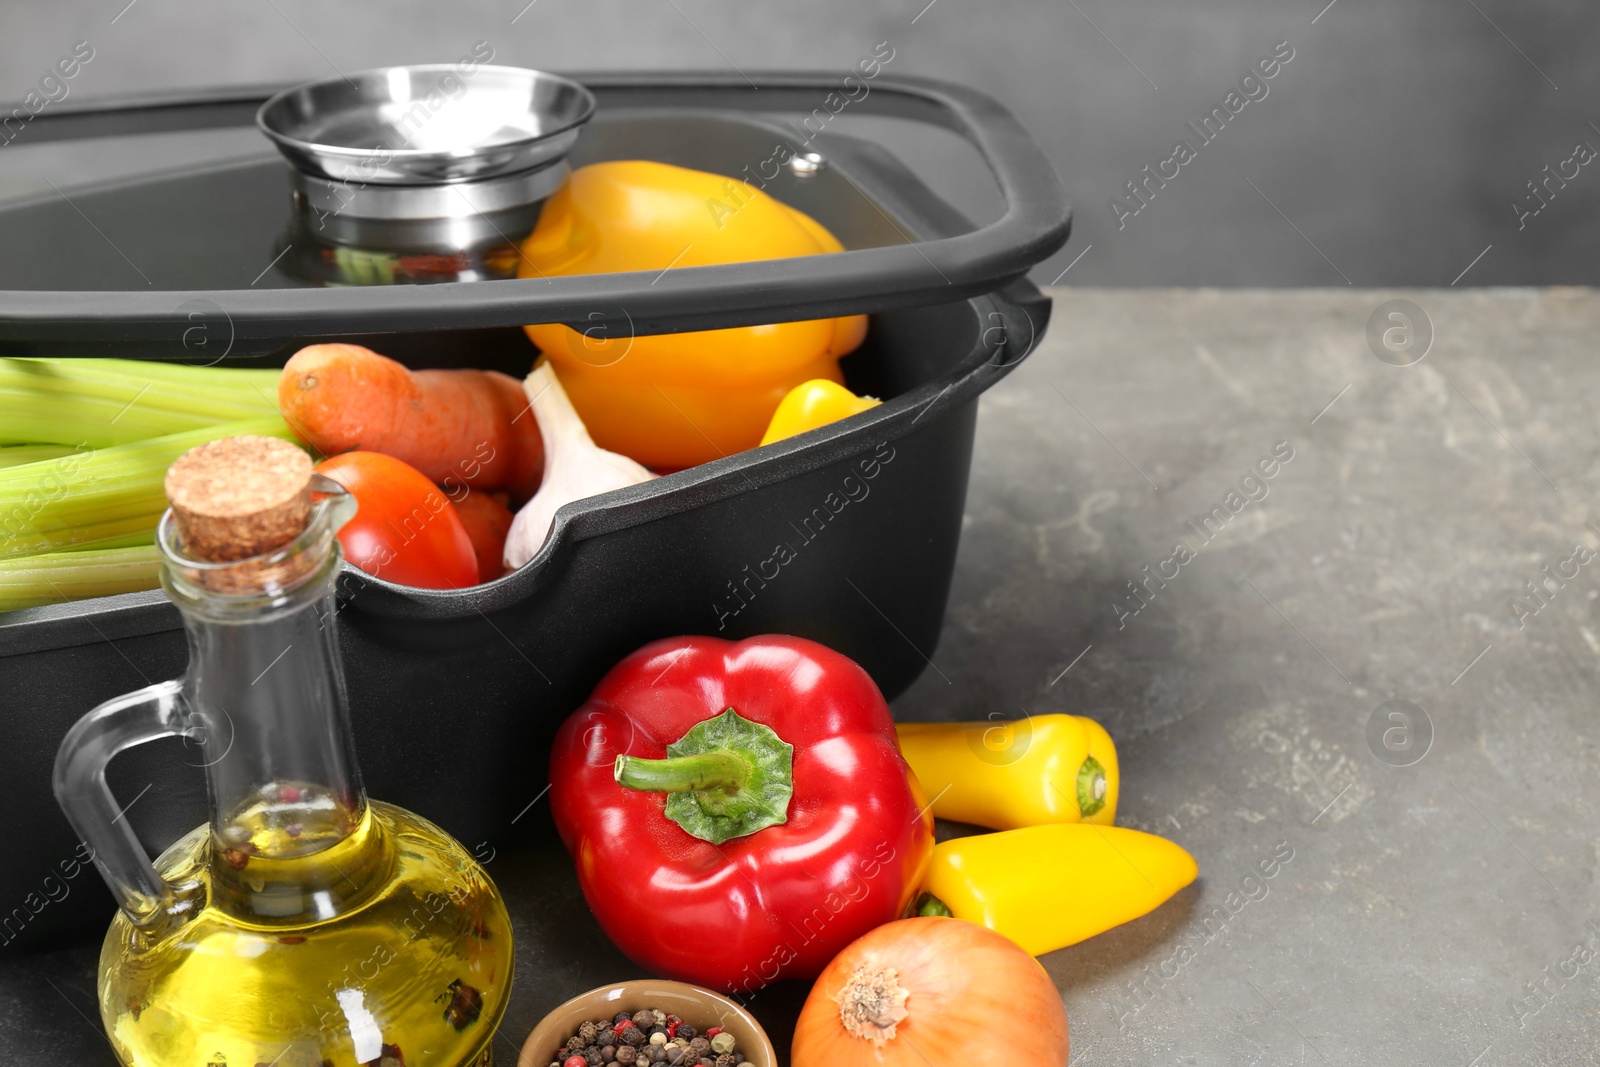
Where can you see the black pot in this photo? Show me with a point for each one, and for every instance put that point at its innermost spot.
(455, 694)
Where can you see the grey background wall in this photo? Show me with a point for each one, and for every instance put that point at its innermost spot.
(1390, 150)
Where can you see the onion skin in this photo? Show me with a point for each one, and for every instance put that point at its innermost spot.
(963, 981)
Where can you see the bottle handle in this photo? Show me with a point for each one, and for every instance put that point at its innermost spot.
(80, 786)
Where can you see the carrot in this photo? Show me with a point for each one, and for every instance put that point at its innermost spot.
(488, 521)
(458, 427)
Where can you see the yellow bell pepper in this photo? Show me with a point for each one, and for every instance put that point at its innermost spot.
(674, 400)
(813, 404)
(1015, 773)
(1047, 887)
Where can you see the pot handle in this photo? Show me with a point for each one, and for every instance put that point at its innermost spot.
(156, 711)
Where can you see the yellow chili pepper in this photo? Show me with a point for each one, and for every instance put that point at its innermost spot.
(813, 404)
(1047, 887)
(674, 400)
(1015, 773)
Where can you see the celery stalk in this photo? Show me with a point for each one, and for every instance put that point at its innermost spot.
(156, 370)
(53, 577)
(145, 534)
(179, 376)
(97, 403)
(103, 495)
(137, 527)
(16, 455)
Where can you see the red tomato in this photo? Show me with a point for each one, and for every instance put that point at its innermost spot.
(487, 521)
(406, 530)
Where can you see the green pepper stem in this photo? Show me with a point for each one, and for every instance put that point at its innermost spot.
(721, 769)
(928, 904)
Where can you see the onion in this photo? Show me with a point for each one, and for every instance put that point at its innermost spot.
(931, 992)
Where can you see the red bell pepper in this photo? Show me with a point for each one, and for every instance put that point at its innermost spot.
(738, 812)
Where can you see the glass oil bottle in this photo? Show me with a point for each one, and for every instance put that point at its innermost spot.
(303, 925)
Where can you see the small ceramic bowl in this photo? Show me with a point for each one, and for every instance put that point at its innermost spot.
(700, 1008)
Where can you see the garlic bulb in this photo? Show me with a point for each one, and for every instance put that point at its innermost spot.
(574, 466)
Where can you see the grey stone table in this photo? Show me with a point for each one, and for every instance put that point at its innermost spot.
(1377, 666)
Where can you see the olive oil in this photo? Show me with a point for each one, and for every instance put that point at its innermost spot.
(303, 925)
(318, 960)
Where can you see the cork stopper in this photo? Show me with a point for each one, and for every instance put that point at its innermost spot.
(239, 497)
